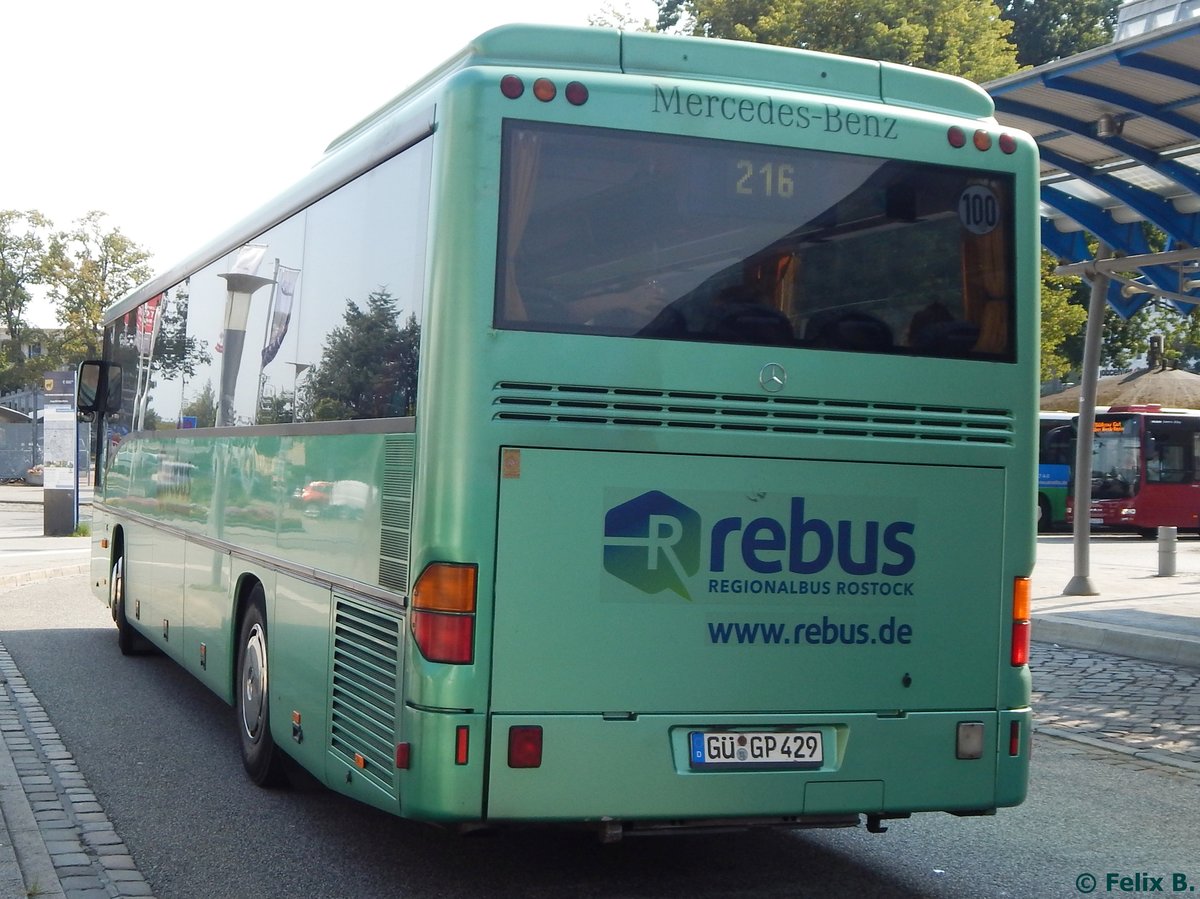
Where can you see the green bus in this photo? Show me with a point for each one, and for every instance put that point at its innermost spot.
(619, 429)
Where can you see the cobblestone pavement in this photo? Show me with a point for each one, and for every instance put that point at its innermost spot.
(1143, 710)
(85, 854)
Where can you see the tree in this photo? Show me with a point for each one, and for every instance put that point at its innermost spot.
(175, 353)
(1045, 30)
(88, 269)
(1063, 317)
(368, 367)
(202, 407)
(22, 255)
(959, 37)
(624, 18)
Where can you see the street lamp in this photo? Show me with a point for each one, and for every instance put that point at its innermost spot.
(240, 288)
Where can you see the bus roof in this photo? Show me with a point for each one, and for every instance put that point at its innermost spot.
(701, 59)
(410, 116)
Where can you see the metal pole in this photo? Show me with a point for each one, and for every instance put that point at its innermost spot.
(1081, 583)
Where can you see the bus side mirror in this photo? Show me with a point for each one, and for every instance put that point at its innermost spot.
(99, 388)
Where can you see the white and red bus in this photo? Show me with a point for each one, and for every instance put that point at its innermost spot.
(1146, 469)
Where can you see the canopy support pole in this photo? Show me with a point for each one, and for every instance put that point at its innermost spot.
(1081, 583)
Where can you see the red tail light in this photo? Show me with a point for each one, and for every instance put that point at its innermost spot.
(444, 638)
(525, 746)
(462, 744)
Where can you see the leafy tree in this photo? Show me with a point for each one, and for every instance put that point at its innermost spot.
(274, 407)
(1046, 30)
(175, 353)
(22, 253)
(1063, 317)
(959, 37)
(623, 17)
(203, 407)
(88, 269)
(368, 367)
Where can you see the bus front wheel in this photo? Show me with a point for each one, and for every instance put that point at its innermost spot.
(260, 756)
(129, 641)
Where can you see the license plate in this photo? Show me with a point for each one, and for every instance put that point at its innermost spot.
(756, 749)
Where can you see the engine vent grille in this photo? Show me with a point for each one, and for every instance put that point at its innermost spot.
(366, 664)
(396, 514)
(587, 405)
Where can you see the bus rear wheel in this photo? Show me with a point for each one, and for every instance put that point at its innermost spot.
(260, 756)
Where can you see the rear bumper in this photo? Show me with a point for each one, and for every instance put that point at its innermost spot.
(595, 768)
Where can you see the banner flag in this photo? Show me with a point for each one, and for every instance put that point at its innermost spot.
(248, 260)
(281, 315)
(147, 314)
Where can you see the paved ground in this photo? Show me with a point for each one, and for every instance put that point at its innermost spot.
(1139, 709)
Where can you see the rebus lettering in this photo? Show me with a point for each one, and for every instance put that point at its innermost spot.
(810, 545)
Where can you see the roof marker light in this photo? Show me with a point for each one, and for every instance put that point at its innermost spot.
(983, 140)
(1008, 144)
(512, 86)
(576, 93)
(544, 90)
(956, 136)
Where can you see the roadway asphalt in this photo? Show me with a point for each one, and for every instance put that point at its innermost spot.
(1138, 610)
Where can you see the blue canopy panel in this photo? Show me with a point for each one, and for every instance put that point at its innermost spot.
(1118, 128)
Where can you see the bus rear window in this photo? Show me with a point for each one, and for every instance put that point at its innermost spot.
(627, 234)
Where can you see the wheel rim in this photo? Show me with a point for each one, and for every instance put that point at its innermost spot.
(117, 586)
(254, 682)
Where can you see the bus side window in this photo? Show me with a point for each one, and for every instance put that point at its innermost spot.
(1154, 460)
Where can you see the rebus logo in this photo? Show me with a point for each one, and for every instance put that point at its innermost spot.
(652, 543)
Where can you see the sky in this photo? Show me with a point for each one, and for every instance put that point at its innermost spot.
(177, 120)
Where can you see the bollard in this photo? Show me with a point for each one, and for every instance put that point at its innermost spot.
(1166, 551)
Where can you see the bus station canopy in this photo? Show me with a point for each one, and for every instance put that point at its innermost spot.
(1118, 129)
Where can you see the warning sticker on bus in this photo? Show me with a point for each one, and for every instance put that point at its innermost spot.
(756, 749)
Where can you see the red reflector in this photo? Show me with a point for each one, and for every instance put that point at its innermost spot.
(576, 93)
(403, 755)
(1014, 738)
(1008, 143)
(512, 86)
(525, 746)
(1020, 643)
(444, 637)
(956, 136)
(544, 90)
(983, 140)
(462, 740)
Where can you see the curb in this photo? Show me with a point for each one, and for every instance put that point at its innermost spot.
(1150, 646)
(21, 578)
(1154, 756)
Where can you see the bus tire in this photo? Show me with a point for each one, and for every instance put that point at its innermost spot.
(129, 641)
(260, 756)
